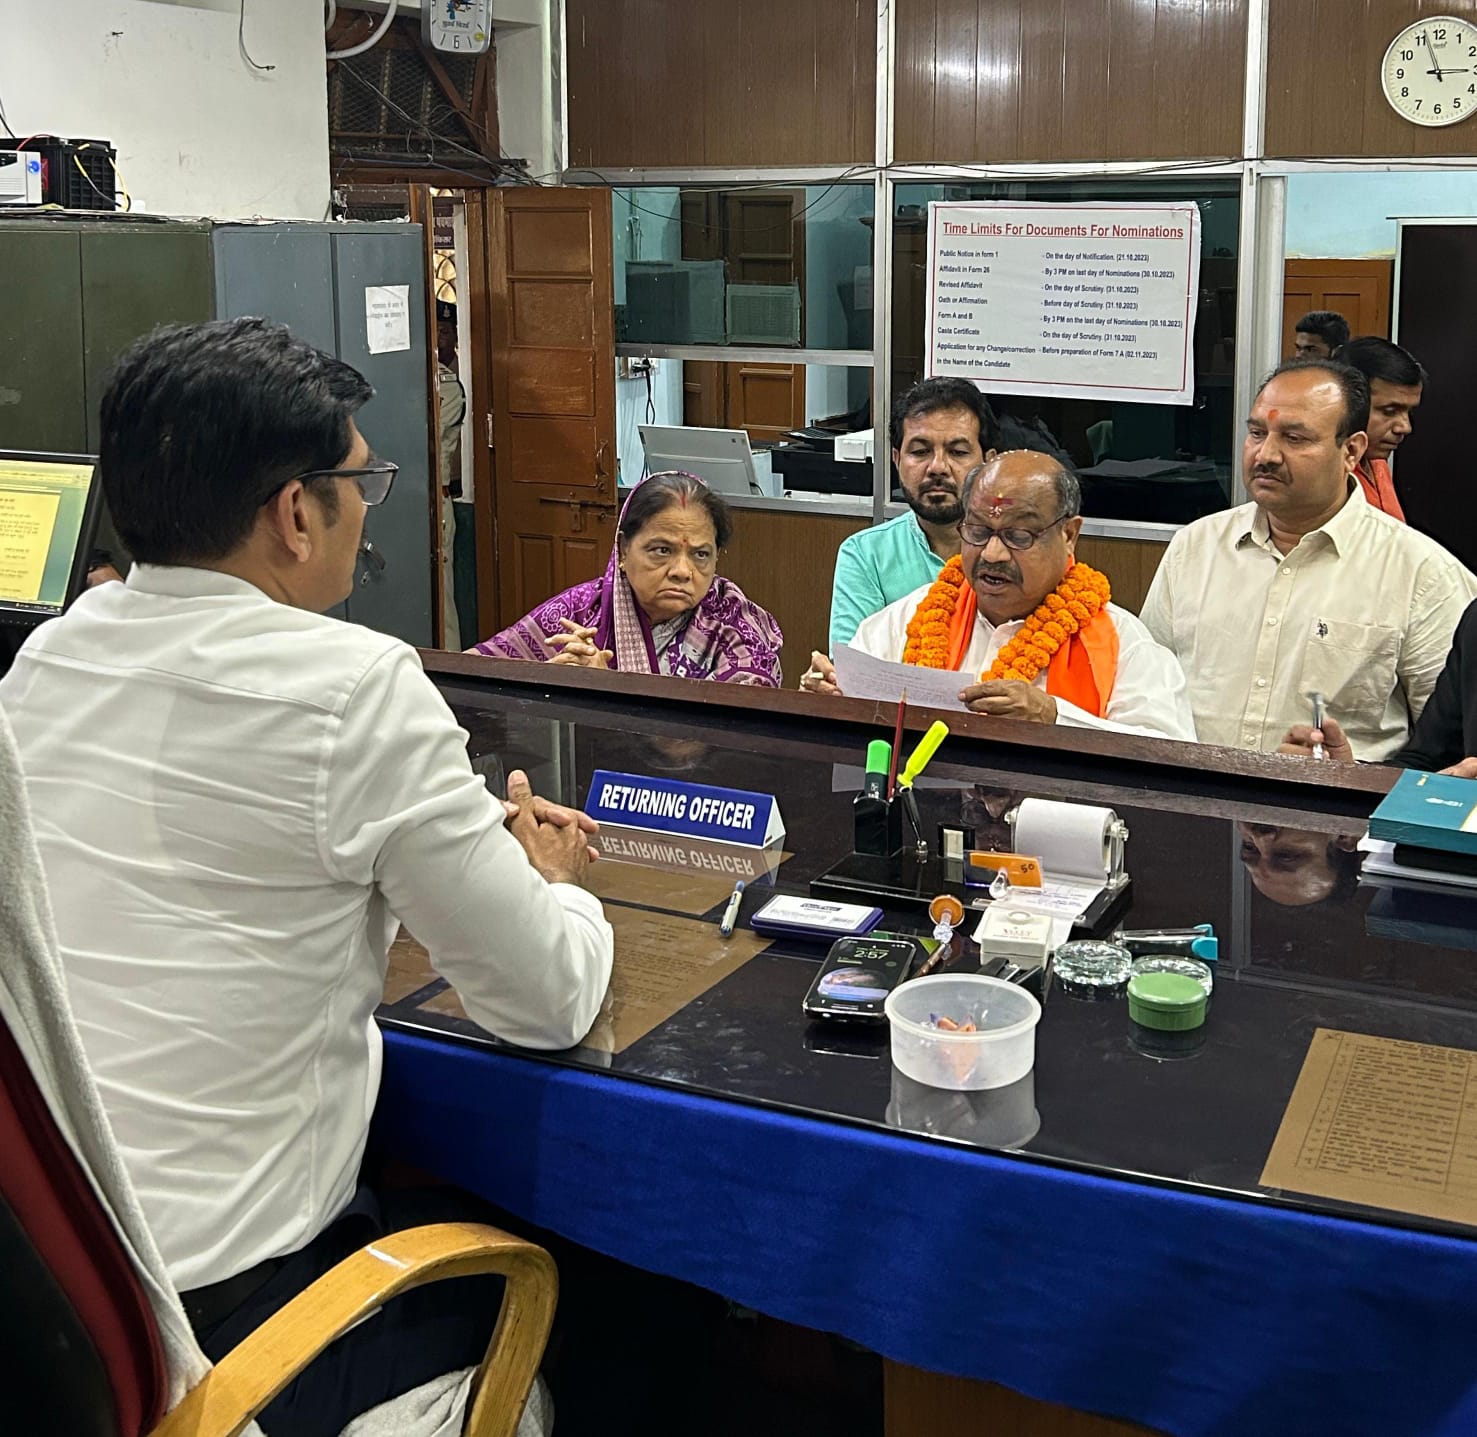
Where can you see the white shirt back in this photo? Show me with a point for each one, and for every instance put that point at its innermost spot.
(236, 803)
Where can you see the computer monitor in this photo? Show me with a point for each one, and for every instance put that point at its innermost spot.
(48, 520)
(721, 457)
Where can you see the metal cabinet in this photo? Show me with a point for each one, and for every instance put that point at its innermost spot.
(78, 292)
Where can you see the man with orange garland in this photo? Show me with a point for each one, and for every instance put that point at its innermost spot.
(1019, 611)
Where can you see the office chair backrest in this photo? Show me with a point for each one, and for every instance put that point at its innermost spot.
(79, 1349)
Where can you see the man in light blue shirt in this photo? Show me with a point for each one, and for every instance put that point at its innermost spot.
(940, 430)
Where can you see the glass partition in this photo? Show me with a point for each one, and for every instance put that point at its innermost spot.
(1138, 461)
(1394, 255)
(745, 311)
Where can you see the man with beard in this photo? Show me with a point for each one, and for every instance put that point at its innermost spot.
(940, 430)
(1308, 588)
(1029, 627)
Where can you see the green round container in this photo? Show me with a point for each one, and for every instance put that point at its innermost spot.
(1166, 1002)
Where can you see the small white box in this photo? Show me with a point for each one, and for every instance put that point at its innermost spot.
(1008, 932)
(854, 448)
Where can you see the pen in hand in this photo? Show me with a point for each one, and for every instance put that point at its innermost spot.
(730, 914)
(1318, 723)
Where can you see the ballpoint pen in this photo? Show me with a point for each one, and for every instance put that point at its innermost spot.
(1317, 722)
(730, 914)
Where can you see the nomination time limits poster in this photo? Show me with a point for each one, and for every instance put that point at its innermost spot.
(1083, 301)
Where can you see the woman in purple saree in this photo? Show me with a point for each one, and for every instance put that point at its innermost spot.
(661, 607)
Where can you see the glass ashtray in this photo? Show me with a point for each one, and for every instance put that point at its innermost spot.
(1091, 968)
(1176, 963)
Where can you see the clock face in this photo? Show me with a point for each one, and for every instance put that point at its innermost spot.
(1430, 71)
(462, 27)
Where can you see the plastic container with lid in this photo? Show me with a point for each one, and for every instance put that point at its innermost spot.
(1000, 1051)
(1167, 1002)
(1092, 968)
(1176, 963)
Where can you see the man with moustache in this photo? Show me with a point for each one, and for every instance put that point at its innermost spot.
(940, 430)
(1396, 382)
(1029, 628)
(1308, 588)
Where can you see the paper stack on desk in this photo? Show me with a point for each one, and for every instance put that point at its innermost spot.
(1381, 869)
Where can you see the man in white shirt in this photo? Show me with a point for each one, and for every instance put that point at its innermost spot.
(1088, 663)
(237, 801)
(1302, 591)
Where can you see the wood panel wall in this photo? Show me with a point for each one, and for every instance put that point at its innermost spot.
(786, 562)
(721, 82)
(1018, 80)
(1323, 80)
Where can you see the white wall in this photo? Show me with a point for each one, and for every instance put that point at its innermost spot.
(198, 131)
(1350, 215)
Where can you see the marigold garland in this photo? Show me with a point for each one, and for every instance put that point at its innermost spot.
(1071, 606)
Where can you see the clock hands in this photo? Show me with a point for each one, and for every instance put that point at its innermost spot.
(1438, 72)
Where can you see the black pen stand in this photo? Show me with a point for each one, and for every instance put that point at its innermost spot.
(884, 868)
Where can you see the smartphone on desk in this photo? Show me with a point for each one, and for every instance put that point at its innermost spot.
(859, 973)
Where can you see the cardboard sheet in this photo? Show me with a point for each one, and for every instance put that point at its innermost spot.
(1384, 1123)
(662, 963)
(689, 893)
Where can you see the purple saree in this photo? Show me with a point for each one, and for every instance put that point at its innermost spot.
(727, 637)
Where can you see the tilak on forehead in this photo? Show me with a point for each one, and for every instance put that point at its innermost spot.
(999, 503)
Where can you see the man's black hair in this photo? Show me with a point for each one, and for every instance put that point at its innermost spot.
(1326, 324)
(1355, 416)
(930, 395)
(202, 423)
(1377, 358)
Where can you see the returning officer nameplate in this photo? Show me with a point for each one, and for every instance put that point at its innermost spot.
(694, 810)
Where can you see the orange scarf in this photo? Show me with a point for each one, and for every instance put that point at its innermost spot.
(1071, 635)
(1379, 487)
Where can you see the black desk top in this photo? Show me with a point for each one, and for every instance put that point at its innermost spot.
(1256, 845)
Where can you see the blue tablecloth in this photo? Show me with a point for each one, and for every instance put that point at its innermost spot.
(1198, 1316)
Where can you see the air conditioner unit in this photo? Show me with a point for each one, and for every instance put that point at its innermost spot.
(674, 301)
(764, 314)
(20, 178)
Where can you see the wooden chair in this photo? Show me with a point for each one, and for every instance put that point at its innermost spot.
(79, 1349)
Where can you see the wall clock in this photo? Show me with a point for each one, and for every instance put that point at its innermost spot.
(1430, 71)
(461, 27)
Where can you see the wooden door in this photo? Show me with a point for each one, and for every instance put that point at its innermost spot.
(764, 243)
(766, 400)
(1358, 289)
(551, 293)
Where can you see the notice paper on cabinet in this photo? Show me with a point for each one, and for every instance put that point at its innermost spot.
(1383, 1123)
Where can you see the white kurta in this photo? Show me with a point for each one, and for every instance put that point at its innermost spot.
(1148, 696)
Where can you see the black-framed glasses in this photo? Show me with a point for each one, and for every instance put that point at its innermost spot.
(374, 479)
(978, 536)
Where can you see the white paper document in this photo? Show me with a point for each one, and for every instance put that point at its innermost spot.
(1064, 898)
(860, 676)
(387, 317)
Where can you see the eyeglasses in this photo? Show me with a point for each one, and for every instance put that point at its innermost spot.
(978, 536)
(374, 479)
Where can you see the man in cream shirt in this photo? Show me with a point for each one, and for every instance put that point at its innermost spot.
(237, 801)
(1022, 516)
(1307, 589)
